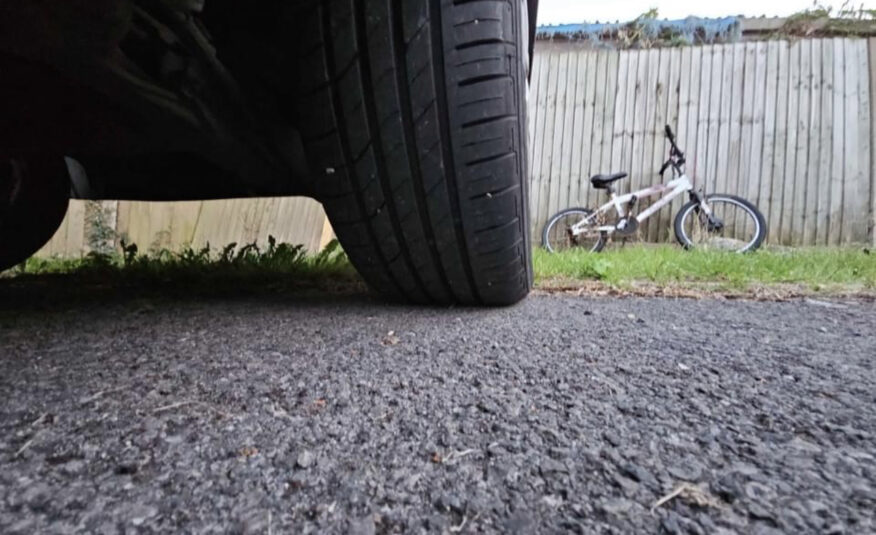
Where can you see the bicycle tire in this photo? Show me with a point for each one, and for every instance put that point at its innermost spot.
(751, 209)
(598, 246)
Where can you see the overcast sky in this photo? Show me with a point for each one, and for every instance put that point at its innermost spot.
(571, 11)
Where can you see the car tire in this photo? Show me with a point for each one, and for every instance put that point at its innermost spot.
(34, 195)
(413, 116)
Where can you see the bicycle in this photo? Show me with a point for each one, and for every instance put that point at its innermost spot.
(711, 218)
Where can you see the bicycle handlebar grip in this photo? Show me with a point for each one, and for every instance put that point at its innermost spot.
(669, 133)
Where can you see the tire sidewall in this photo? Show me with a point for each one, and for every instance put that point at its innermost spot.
(525, 65)
(36, 211)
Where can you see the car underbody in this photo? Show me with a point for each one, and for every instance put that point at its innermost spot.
(156, 99)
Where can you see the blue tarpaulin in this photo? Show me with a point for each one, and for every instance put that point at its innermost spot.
(692, 30)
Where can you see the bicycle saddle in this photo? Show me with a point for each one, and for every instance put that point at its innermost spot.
(603, 181)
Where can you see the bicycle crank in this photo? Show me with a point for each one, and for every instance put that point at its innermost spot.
(627, 226)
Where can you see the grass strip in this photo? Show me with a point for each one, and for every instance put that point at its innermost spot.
(813, 268)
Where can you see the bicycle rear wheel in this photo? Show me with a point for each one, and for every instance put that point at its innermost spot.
(735, 225)
(557, 236)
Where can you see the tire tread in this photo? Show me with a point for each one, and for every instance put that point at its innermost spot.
(419, 150)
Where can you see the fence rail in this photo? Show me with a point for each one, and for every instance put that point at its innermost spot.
(788, 125)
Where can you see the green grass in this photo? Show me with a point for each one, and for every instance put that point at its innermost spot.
(283, 265)
(236, 265)
(814, 268)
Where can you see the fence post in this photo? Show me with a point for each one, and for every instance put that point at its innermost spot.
(872, 64)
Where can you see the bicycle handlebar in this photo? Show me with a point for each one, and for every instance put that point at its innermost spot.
(665, 167)
(676, 157)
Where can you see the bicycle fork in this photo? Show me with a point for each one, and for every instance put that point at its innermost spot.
(714, 223)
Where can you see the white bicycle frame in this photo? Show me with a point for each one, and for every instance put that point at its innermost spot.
(669, 191)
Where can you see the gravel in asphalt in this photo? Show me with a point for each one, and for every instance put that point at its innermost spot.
(334, 414)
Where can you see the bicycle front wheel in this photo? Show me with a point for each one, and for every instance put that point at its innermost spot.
(733, 225)
(558, 236)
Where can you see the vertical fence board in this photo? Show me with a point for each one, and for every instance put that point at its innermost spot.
(813, 151)
(612, 92)
(627, 120)
(597, 144)
(538, 110)
(836, 169)
(791, 145)
(730, 141)
(685, 100)
(777, 194)
(569, 102)
(589, 147)
(650, 94)
(532, 106)
(185, 220)
(620, 111)
(746, 183)
(769, 133)
(673, 97)
(863, 179)
(552, 95)
(666, 83)
(559, 182)
(872, 76)
(758, 119)
(688, 91)
(852, 217)
(579, 80)
(638, 123)
(590, 152)
(690, 137)
(705, 104)
(797, 208)
(547, 137)
(825, 153)
(719, 107)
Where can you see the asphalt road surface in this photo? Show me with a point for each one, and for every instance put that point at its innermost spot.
(337, 414)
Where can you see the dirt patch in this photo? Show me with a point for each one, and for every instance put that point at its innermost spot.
(702, 290)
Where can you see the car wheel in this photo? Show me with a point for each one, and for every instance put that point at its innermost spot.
(34, 195)
(414, 123)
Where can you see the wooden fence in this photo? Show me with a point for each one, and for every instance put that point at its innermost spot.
(788, 125)
(173, 226)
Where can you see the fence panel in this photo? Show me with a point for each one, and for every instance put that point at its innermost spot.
(785, 125)
(176, 225)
